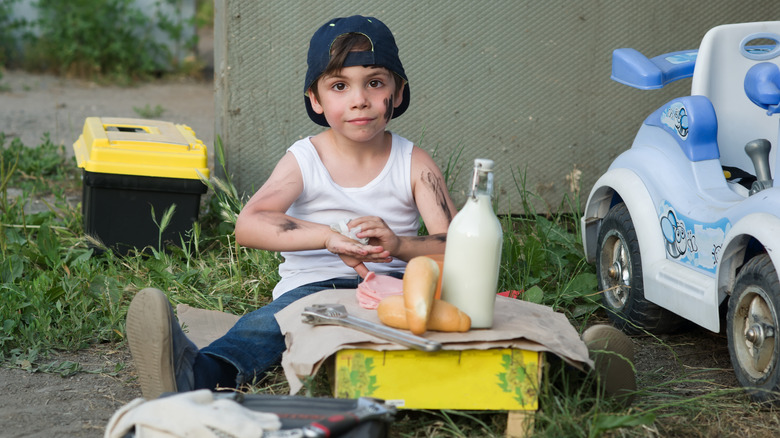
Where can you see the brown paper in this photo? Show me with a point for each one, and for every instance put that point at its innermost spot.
(517, 324)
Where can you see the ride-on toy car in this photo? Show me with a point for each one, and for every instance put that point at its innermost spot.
(688, 217)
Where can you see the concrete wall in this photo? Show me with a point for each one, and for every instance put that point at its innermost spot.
(525, 83)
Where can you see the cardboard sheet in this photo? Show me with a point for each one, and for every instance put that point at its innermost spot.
(517, 324)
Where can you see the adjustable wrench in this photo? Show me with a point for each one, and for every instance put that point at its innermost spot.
(336, 314)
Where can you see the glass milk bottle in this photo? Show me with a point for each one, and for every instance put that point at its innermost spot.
(473, 252)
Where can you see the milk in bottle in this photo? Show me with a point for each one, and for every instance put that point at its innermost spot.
(473, 252)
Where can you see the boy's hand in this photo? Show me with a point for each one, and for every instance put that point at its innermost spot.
(354, 254)
(378, 233)
(399, 247)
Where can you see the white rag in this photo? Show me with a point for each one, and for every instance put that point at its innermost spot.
(341, 227)
(193, 414)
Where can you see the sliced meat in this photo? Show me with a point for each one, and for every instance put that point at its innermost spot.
(375, 287)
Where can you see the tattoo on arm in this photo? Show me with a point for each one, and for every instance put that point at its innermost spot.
(288, 225)
(436, 185)
(439, 237)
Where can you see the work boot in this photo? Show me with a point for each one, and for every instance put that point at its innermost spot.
(162, 353)
(613, 359)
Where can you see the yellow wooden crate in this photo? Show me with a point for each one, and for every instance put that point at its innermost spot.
(494, 379)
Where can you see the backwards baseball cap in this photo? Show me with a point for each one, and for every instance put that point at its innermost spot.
(383, 53)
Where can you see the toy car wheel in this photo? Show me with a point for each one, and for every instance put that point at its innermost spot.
(619, 271)
(752, 324)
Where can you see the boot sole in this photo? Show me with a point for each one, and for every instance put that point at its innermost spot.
(613, 356)
(149, 337)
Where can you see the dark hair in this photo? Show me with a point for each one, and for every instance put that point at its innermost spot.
(349, 42)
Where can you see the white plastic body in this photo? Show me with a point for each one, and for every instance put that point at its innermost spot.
(693, 227)
(472, 259)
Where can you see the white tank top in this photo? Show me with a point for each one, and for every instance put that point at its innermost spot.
(388, 196)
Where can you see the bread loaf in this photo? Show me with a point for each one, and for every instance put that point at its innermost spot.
(444, 317)
(420, 278)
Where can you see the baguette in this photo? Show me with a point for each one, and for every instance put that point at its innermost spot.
(445, 317)
(419, 282)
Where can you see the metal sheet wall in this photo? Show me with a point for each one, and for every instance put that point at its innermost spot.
(525, 83)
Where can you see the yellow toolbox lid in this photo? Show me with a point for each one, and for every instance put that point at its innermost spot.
(140, 147)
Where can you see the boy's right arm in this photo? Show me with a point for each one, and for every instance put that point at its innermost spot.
(264, 224)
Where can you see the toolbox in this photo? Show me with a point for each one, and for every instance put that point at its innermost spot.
(133, 167)
(492, 379)
(362, 418)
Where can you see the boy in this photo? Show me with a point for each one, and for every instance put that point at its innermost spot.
(355, 171)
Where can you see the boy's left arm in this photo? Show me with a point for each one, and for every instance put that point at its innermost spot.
(434, 204)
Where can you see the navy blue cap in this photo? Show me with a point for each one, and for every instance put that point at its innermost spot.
(383, 53)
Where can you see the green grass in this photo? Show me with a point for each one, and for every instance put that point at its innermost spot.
(59, 293)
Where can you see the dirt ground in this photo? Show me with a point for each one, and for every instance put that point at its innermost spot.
(45, 404)
(31, 105)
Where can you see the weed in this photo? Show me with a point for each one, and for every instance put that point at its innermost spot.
(165, 220)
(170, 20)
(543, 252)
(8, 163)
(99, 39)
(147, 112)
(8, 29)
(204, 17)
(93, 39)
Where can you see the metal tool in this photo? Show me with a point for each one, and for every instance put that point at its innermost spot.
(337, 425)
(336, 314)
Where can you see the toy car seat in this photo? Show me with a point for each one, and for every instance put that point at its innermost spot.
(725, 55)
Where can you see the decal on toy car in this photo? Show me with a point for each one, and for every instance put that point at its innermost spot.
(675, 117)
(691, 242)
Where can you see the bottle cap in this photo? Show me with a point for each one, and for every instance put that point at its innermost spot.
(483, 164)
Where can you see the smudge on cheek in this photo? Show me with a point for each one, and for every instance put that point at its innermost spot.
(388, 109)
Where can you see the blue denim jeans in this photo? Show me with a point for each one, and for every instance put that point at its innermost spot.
(255, 343)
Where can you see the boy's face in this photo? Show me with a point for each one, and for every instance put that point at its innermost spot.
(358, 102)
